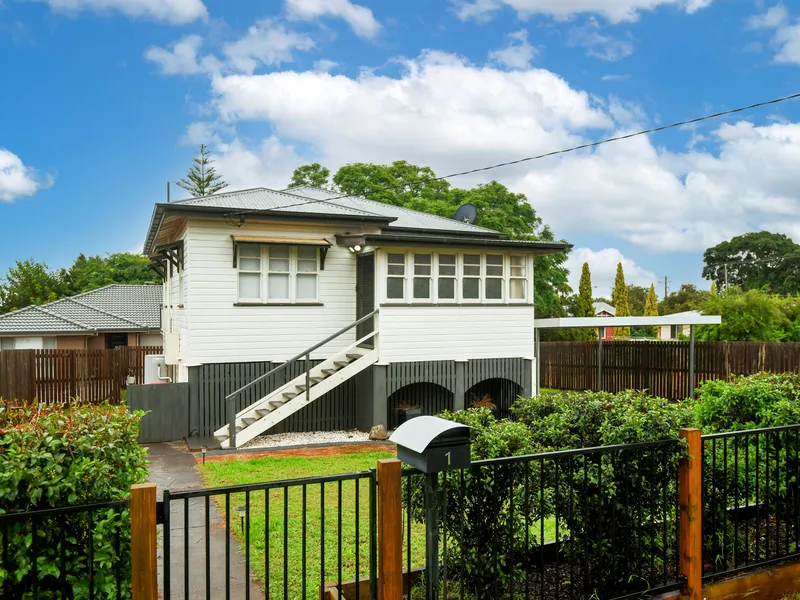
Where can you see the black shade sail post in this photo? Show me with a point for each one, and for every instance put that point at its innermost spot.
(600, 359)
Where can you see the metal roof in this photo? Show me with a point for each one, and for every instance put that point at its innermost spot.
(405, 217)
(604, 307)
(111, 308)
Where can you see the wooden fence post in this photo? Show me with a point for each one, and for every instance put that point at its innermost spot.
(143, 542)
(690, 485)
(390, 530)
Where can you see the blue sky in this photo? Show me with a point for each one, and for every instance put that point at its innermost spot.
(105, 100)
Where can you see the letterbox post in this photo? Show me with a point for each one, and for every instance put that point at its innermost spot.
(432, 536)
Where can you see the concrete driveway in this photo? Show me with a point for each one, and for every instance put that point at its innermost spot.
(172, 467)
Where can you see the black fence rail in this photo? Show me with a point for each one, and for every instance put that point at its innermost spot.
(751, 505)
(76, 552)
(295, 538)
(590, 523)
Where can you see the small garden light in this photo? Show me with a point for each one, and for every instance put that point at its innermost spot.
(204, 449)
(241, 510)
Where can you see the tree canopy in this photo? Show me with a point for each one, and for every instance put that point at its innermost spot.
(756, 260)
(752, 315)
(314, 175)
(637, 296)
(416, 187)
(30, 282)
(202, 178)
(688, 297)
(619, 297)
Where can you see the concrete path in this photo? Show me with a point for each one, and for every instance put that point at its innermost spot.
(173, 467)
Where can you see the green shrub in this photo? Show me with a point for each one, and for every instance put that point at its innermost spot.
(57, 456)
(763, 400)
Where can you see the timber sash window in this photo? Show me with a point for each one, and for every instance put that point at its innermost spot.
(250, 273)
(518, 281)
(423, 276)
(471, 278)
(494, 278)
(278, 274)
(396, 277)
(446, 278)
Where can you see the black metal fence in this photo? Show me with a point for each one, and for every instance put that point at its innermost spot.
(587, 523)
(751, 504)
(76, 552)
(297, 537)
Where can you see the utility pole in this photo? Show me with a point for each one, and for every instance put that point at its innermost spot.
(666, 285)
(726, 277)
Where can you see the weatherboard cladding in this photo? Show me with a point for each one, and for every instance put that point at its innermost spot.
(111, 308)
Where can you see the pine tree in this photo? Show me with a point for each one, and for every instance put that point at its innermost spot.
(585, 300)
(651, 306)
(620, 298)
(713, 290)
(202, 179)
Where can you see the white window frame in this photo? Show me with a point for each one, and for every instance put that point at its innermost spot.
(485, 277)
(412, 261)
(437, 276)
(462, 277)
(259, 272)
(264, 273)
(404, 278)
(525, 279)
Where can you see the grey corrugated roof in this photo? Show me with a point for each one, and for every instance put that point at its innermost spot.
(265, 199)
(405, 217)
(111, 308)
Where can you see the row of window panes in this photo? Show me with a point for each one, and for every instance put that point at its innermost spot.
(487, 271)
(292, 273)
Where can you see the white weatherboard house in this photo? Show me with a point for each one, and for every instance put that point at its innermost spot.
(413, 309)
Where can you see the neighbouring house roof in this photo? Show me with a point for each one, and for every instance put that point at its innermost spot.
(604, 307)
(594, 322)
(320, 204)
(110, 308)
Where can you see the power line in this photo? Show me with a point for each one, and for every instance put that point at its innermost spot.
(545, 155)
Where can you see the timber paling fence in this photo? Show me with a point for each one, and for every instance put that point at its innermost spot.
(55, 376)
(661, 367)
(604, 523)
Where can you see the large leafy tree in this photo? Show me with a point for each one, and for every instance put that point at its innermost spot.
(585, 303)
(688, 297)
(752, 315)
(202, 178)
(89, 273)
(416, 187)
(755, 260)
(30, 282)
(619, 297)
(314, 175)
(637, 297)
(651, 307)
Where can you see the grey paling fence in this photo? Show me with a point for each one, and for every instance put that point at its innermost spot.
(297, 537)
(77, 552)
(751, 505)
(662, 367)
(587, 523)
(336, 410)
(54, 376)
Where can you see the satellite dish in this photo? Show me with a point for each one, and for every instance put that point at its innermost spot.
(466, 213)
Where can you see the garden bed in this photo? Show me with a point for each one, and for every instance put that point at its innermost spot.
(276, 440)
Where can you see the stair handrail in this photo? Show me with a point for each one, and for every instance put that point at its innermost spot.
(305, 353)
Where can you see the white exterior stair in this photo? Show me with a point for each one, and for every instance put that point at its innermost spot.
(290, 398)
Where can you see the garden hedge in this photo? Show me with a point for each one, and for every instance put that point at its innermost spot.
(57, 456)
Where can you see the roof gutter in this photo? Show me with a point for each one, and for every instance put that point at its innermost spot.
(538, 248)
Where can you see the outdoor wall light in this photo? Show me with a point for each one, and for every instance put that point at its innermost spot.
(355, 249)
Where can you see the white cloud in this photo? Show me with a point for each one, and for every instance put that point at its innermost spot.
(268, 43)
(324, 65)
(17, 180)
(170, 11)
(181, 58)
(270, 164)
(786, 37)
(517, 53)
(443, 111)
(614, 10)
(615, 77)
(603, 266)
(604, 47)
(360, 18)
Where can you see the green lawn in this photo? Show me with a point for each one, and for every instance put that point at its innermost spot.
(237, 472)
(222, 473)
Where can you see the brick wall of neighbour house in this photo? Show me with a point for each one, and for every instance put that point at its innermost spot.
(71, 342)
